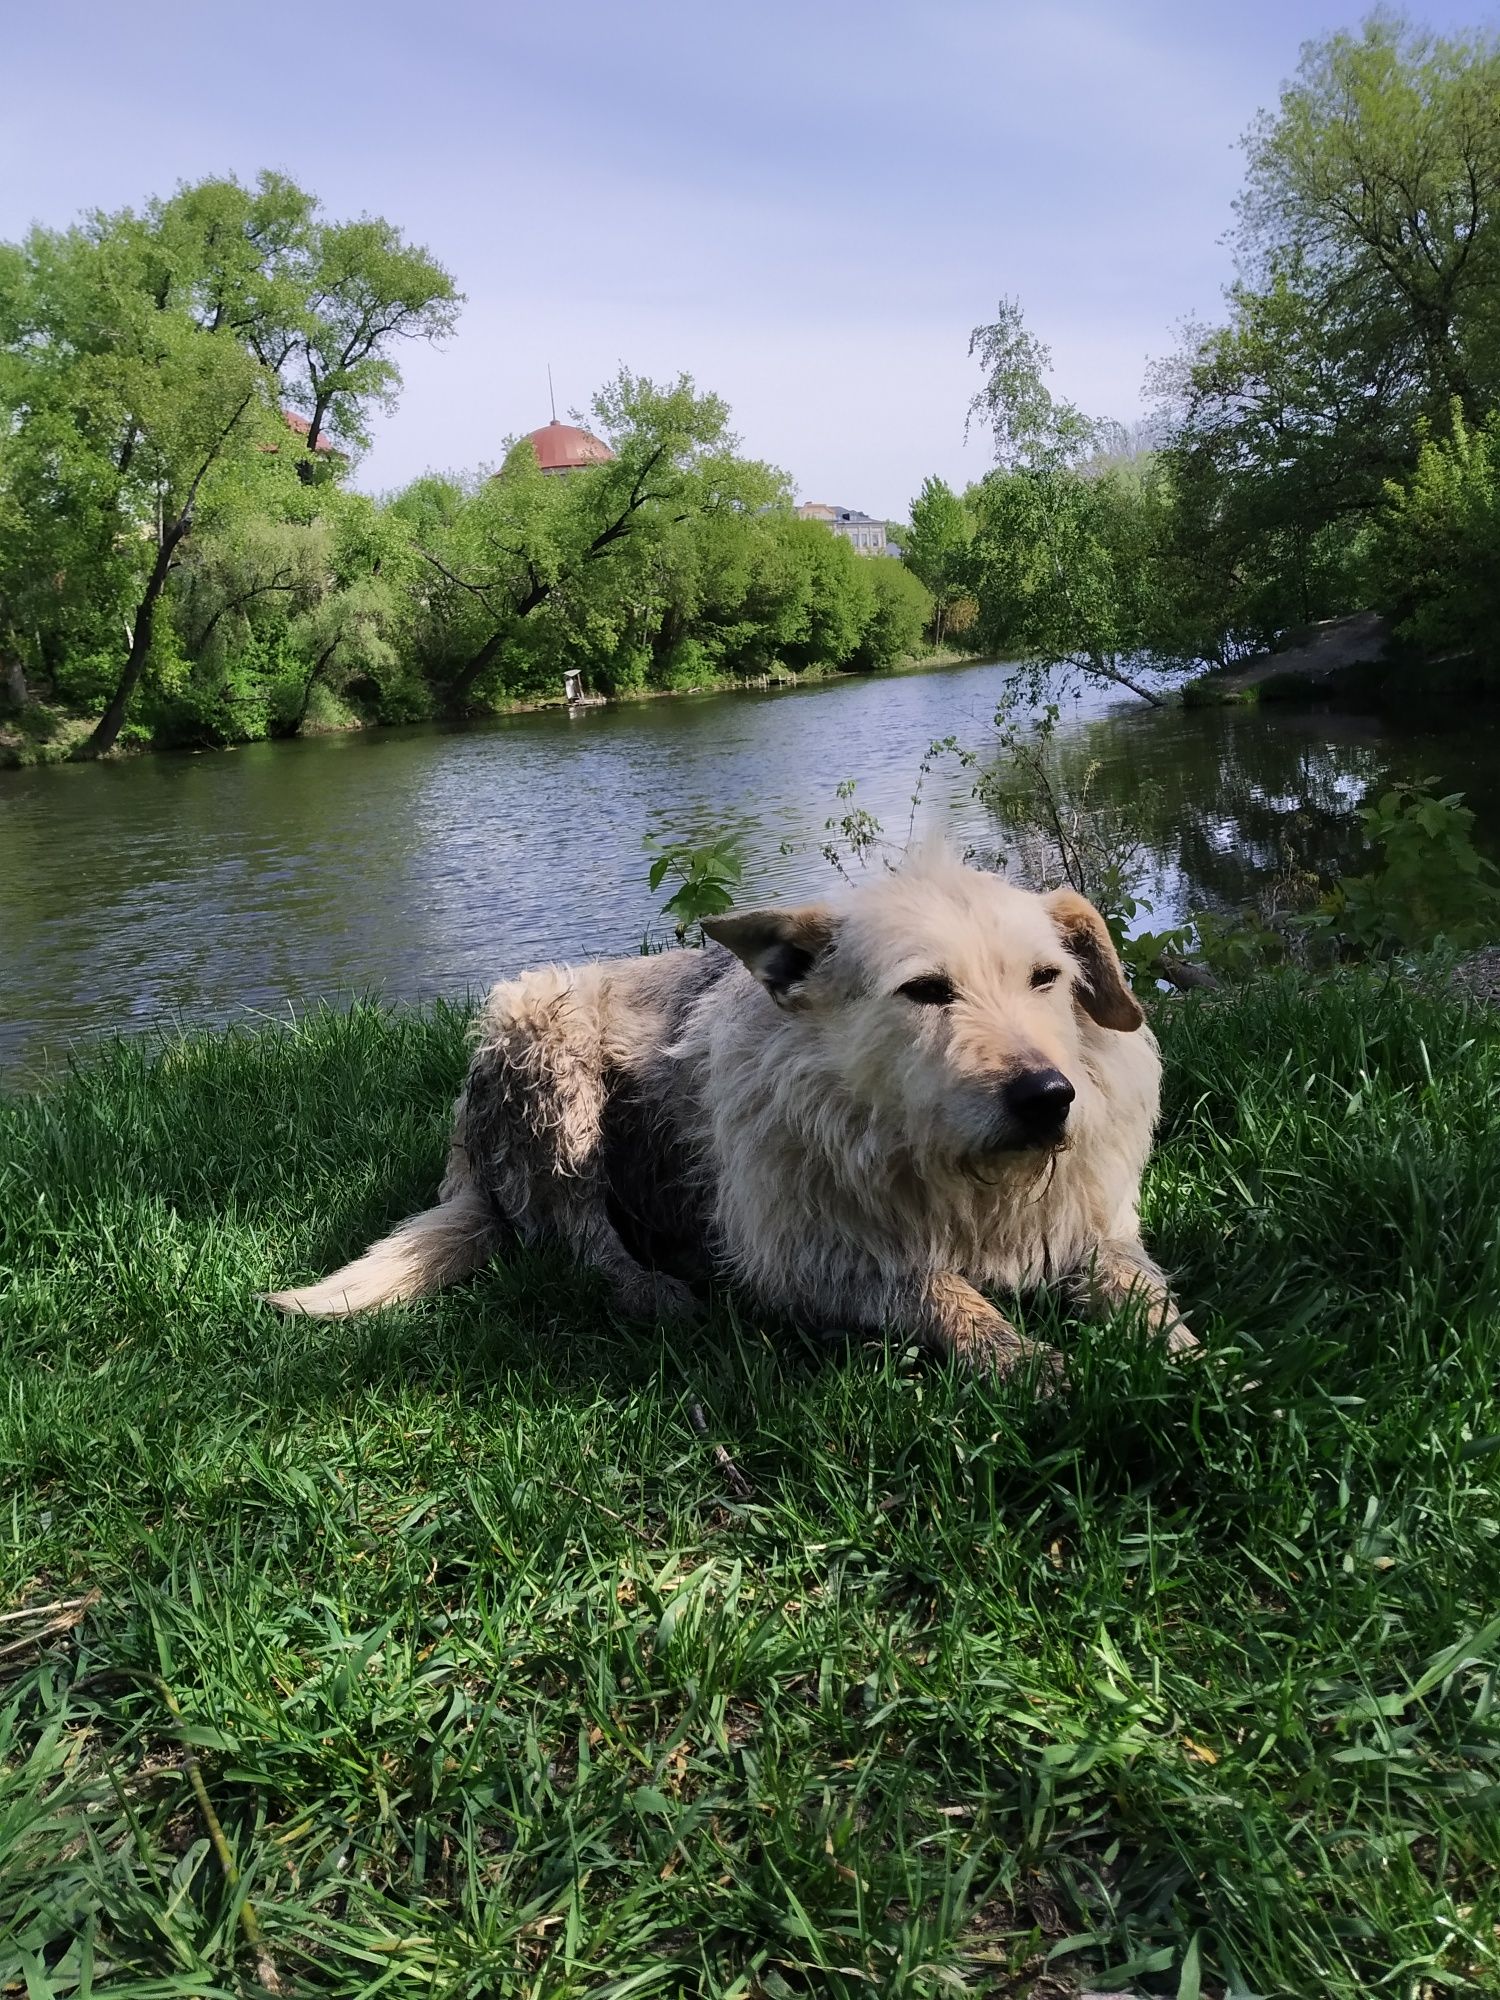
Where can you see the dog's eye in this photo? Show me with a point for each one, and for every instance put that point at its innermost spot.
(1045, 976)
(934, 989)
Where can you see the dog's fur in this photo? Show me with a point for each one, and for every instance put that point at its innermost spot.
(774, 1108)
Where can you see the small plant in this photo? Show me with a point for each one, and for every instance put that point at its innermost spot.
(855, 831)
(707, 877)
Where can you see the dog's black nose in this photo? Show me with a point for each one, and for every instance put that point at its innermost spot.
(1038, 1101)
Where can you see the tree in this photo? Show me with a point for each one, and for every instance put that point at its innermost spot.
(370, 289)
(938, 550)
(900, 610)
(1435, 555)
(1377, 181)
(147, 360)
(1066, 572)
(524, 539)
(1032, 430)
(1062, 555)
(354, 629)
(1365, 311)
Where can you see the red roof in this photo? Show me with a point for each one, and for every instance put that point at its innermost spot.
(301, 426)
(561, 447)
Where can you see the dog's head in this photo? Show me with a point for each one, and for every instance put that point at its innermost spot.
(956, 1007)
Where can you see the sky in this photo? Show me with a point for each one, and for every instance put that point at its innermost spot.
(806, 207)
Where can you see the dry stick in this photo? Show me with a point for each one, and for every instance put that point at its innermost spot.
(739, 1485)
(68, 1604)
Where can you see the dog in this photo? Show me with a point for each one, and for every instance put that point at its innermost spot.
(864, 1115)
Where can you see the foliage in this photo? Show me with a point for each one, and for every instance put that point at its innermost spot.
(1374, 186)
(179, 562)
(494, 1687)
(1435, 556)
(1365, 310)
(901, 610)
(707, 875)
(1431, 884)
(1032, 430)
(1064, 555)
(146, 365)
(938, 549)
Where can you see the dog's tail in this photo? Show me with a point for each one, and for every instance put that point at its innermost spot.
(428, 1250)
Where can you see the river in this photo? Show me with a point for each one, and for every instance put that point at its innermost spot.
(422, 861)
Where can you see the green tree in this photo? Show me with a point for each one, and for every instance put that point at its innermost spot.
(369, 290)
(526, 540)
(1063, 551)
(938, 549)
(163, 347)
(900, 612)
(1067, 575)
(1434, 560)
(1366, 308)
(1375, 187)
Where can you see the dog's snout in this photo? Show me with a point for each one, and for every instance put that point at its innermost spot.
(1038, 1101)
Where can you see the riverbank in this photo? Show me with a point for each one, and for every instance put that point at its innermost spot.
(1357, 660)
(491, 1680)
(41, 734)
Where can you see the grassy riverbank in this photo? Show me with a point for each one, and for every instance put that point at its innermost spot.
(495, 1685)
(43, 734)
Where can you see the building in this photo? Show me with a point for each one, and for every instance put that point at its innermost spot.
(299, 427)
(862, 530)
(563, 448)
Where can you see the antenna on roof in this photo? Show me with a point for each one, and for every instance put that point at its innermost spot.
(551, 398)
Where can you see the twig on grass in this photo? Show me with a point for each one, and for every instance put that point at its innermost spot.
(738, 1484)
(49, 1621)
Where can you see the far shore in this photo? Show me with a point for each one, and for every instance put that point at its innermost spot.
(23, 749)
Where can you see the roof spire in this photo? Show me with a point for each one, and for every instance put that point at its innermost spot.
(551, 398)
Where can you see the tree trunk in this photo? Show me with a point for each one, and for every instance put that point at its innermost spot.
(314, 429)
(1099, 665)
(15, 683)
(463, 682)
(310, 683)
(112, 721)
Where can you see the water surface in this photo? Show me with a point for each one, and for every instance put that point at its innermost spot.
(414, 862)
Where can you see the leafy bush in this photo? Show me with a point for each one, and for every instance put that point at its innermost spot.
(1431, 884)
(689, 664)
(900, 611)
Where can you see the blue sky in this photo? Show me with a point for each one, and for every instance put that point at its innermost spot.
(805, 206)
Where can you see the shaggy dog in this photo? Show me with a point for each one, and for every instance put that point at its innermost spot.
(860, 1114)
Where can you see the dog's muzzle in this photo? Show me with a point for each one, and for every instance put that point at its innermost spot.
(1034, 1109)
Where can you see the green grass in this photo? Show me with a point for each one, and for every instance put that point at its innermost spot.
(495, 1686)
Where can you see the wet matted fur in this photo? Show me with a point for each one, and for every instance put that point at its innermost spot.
(863, 1114)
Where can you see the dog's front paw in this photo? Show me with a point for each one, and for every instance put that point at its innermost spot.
(998, 1352)
(654, 1295)
(1182, 1341)
(1002, 1358)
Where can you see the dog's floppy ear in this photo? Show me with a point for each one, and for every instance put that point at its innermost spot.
(781, 947)
(1102, 992)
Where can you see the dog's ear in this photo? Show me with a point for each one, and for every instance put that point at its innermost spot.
(781, 947)
(1102, 992)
